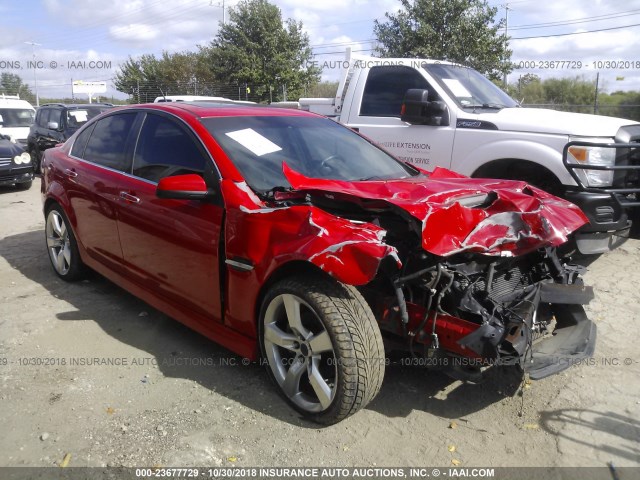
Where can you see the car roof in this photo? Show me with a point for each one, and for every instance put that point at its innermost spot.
(212, 109)
(72, 106)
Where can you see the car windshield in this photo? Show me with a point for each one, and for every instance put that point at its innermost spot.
(16, 117)
(469, 88)
(316, 147)
(79, 116)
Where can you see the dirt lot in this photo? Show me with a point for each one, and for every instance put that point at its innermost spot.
(88, 370)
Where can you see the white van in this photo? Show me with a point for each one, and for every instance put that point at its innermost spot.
(16, 116)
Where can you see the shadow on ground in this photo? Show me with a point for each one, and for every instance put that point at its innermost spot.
(118, 313)
(581, 427)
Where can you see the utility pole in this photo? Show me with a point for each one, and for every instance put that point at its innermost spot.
(595, 101)
(506, 40)
(35, 75)
(220, 4)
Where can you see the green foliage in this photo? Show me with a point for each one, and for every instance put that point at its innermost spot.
(148, 77)
(12, 84)
(322, 90)
(257, 49)
(576, 95)
(463, 31)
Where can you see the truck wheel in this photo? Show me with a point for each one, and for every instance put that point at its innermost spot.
(529, 172)
(36, 158)
(62, 246)
(323, 347)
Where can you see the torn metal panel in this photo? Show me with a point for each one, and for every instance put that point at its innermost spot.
(459, 214)
(350, 251)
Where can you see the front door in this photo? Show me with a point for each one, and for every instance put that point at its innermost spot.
(170, 246)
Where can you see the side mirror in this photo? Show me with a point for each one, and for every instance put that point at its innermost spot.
(53, 125)
(183, 187)
(418, 110)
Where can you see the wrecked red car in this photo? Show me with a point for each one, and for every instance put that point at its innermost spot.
(283, 235)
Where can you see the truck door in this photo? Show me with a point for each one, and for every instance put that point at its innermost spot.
(375, 112)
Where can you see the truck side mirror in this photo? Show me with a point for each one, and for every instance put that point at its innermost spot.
(418, 110)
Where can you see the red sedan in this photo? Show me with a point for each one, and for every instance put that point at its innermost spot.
(283, 235)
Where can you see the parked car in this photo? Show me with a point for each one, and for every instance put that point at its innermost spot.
(56, 122)
(283, 235)
(15, 164)
(16, 117)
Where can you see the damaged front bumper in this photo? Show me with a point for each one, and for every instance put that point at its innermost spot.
(478, 313)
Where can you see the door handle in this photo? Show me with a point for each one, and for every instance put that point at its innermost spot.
(127, 197)
(70, 173)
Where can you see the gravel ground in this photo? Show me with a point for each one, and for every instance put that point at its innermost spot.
(89, 372)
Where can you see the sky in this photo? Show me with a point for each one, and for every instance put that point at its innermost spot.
(87, 39)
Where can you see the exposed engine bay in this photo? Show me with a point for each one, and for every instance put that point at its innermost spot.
(491, 308)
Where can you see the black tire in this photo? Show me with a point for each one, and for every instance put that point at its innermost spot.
(24, 185)
(62, 246)
(336, 349)
(36, 155)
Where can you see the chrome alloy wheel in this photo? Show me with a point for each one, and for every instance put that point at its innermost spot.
(58, 242)
(300, 353)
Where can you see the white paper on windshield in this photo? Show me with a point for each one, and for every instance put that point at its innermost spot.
(79, 115)
(456, 87)
(253, 141)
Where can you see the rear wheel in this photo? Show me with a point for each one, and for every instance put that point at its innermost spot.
(62, 246)
(323, 347)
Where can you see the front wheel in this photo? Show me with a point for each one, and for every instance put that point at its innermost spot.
(323, 347)
(36, 158)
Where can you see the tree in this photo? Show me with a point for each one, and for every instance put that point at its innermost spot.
(255, 48)
(322, 90)
(462, 31)
(12, 84)
(149, 77)
(527, 89)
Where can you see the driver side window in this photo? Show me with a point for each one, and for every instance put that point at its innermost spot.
(385, 88)
(165, 149)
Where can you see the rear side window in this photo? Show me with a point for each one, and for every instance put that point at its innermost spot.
(164, 149)
(107, 145)
(81, 141)
(385, 89)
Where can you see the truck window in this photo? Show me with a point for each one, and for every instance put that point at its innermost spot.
(385, 89)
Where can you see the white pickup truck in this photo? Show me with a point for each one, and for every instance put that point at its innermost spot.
(433, 113)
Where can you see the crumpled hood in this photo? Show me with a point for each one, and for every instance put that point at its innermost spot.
(457, 213)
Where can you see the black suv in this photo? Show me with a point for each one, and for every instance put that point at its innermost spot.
(56, 122)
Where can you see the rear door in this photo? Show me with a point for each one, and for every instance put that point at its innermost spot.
(100, 156)
(170, 246)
